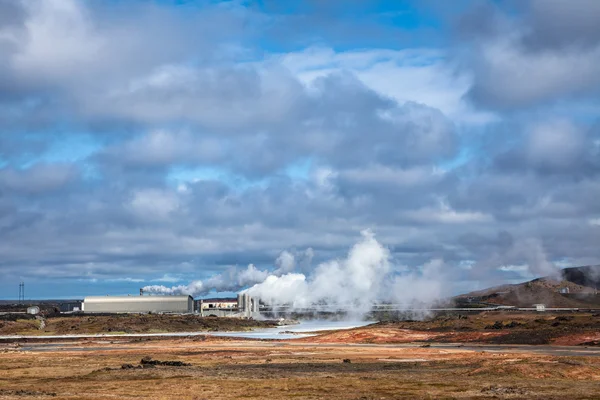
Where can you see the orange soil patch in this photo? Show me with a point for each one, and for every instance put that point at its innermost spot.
(372, 335)
(390, 335)
(577, 339)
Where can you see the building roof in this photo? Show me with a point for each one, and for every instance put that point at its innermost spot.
(134, 299)
(220, 300)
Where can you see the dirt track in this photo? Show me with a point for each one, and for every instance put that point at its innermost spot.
(92, 346)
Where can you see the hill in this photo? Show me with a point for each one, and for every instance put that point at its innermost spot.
(576, 289)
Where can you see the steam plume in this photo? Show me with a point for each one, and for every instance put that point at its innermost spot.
(231, 280)
(364, 277)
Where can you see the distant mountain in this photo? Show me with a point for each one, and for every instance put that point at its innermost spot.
(577, 289)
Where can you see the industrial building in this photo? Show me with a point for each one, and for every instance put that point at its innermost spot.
(33, 310)
(138, 304)
(218, 303)
(247, 304)
(242, 307)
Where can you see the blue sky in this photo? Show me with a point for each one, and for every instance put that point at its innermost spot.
(175, 144)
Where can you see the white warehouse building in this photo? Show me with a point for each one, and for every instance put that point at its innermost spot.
(138, 304)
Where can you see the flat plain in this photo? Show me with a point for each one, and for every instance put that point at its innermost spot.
(404, 360)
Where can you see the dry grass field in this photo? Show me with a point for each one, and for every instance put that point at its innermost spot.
(214, 368)
(453, 356)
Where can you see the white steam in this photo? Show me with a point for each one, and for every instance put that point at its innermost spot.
(357, 280)
(235, 279)
(528, 252)
(366, 276)
(231, 280)
(426, 287)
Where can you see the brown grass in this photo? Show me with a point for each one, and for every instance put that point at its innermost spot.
(259, 370)
(128, 323)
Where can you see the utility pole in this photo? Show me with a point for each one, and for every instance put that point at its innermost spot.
(22, 292)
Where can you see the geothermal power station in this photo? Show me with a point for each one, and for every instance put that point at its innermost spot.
(243, 306)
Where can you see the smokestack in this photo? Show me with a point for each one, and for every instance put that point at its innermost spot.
(240, 302)
(247, 304)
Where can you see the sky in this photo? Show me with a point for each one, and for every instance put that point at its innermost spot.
(165, 142)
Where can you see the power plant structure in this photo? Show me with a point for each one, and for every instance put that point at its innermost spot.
(138, 304)
(248, 305)
(244, 306)
(217, 303)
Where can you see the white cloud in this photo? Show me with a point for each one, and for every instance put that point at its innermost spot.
(418, 75)
(167, 278)
(384, 175)
(521, 268)
(133, 280)
(444, 214)
(38, 178)
(60, 40)
(537, 58)
(559, 143)
(153, 204)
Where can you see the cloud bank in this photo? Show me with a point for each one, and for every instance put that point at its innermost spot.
(141, 140)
